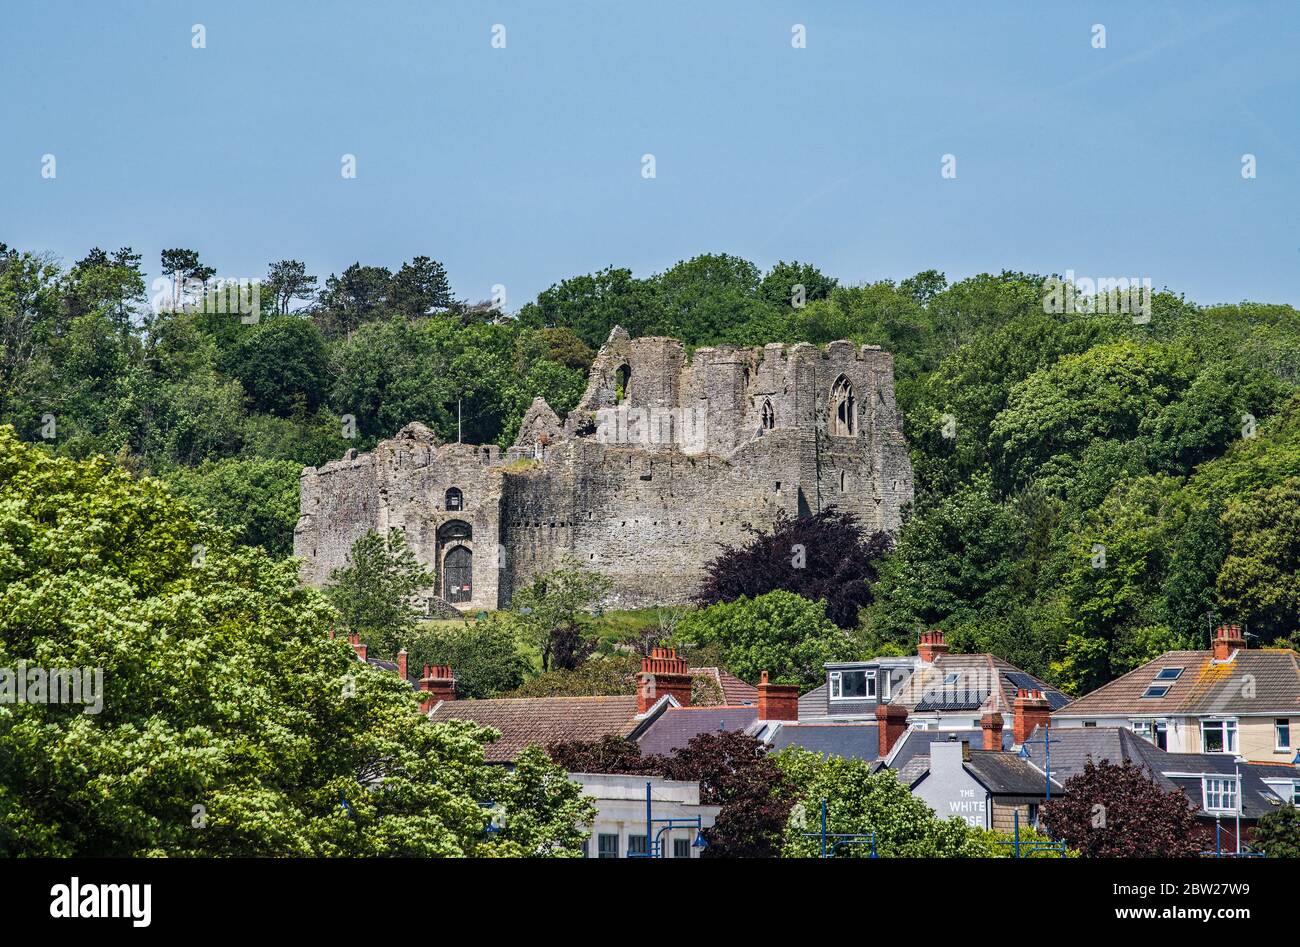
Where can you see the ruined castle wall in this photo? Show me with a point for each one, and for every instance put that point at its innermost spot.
(403, 484)
(647, 514)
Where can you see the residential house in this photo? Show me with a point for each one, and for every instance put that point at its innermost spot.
(665, 683)
(986, 788)
(625, 802)
(931, 690)
(1225, 790)
(1227, 700)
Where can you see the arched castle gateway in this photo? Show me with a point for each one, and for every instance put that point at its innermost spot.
(663, 458)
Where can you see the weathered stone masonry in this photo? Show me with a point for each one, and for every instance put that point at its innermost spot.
(739, 434)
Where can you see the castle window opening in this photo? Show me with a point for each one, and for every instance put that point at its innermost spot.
(622, 380)
(841, 481)
(844, 409)
(769, 416)
(455, 500)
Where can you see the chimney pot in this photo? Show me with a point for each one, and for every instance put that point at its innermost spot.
(891, 723)
(991, 724)
(1031, 710)
(777, 701)
(1227, 639)
(663, 672)
(438, 684)
(932, 645)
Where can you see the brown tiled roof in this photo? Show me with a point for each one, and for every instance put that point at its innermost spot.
(543, 720)
(1264, 680)
(734, 691)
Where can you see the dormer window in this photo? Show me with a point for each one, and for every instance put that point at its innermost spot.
(1219, 793)
(853, 685)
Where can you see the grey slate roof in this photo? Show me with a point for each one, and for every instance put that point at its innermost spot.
(917, 743)
(854, 741)
(675, 727)
(1072, 747)
(813, 703)
(1006, 774)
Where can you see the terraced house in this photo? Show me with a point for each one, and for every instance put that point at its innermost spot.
(1228, 700)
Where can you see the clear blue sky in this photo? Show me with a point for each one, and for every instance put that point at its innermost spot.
(522, 165)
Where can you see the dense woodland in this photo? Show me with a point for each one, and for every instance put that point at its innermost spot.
(1089, 491)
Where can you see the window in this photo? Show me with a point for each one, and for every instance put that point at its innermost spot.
(622, 382)
(455, 499)
(1153, 731)
(886, 685)
(635, 845)
(1169, 674)
(1156, 690)
(844, 409)
(950, 679)
(607, 846)
(853, 685)
(1220, 793)
(681, 848)
(1282, 733)
(769, 416)
(1218, 736)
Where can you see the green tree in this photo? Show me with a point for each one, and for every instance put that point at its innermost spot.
(288, 280)
(373, 594)
(420, 287)
(1260, 578)
(782, 633)
(1277, 834)
(282, 364)
(860, 801)
(227, 722)
(256, 498)
(484, 654)
(556, 612)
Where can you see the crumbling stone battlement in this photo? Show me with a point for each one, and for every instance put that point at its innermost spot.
(664, 458)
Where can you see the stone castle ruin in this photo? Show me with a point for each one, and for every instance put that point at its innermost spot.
(665, 457)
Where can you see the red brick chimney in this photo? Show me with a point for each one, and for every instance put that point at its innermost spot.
(401, 664)
(1031, 710)
(891, 720)
(1227, 639)
(991, 724)
(355, 640)
(437, 684)
(663, 673)
(932, 645)
(777, 701)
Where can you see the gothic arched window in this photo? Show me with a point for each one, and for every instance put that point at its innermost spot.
(844, 409)
(769, 416)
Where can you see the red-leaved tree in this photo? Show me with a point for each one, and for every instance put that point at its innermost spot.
(1114, 810)
(826, 556)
